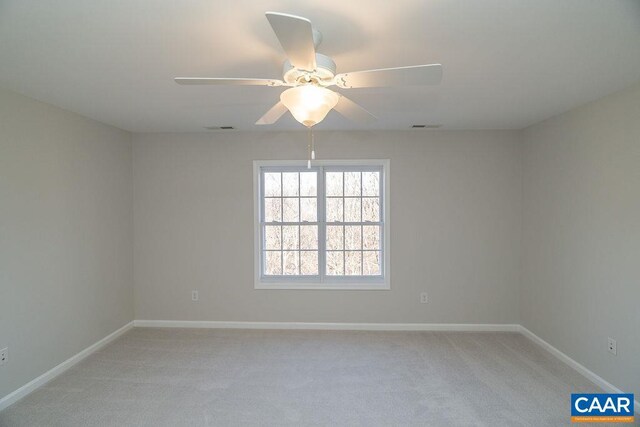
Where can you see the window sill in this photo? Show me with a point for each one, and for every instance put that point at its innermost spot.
(343, 286)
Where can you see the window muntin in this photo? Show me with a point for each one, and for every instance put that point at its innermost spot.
(353, 221)
(289, 222)
(321, 228)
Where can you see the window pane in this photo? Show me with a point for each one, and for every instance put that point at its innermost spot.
(371, 263)
(290, 237)
(308, 183)
(293, 196)
(333, 183)
(290, 208)
(309, 237)
(371, 209)
(353, 263)
(335, 263)
(291, 262)
(352, 183)
(272, 238)
(334, 210)
(309, 263)
(352, 237)
(272, 263)
(335, 238)
(272, 184)
(290, 184)
(370, 183)
(309, 208)
(371, 237)
(272, 210)
(352, 210)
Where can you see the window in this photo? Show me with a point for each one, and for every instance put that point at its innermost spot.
(326, 227)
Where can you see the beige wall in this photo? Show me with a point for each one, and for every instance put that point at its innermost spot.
(581, 241)
(455, 227)
(66, 272)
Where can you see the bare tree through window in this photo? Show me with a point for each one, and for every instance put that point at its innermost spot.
(353, 223)
(290, 223)
(322, 222)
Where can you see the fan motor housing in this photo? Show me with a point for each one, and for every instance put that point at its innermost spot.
(323, 74)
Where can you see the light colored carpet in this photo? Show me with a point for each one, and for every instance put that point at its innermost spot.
(199, 377)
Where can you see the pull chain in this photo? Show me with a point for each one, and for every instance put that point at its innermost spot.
(310, 148)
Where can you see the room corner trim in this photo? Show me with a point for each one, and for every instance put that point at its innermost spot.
(32, 385)
(590, 375)
(468, 327)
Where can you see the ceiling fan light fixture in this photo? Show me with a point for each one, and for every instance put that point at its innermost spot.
(309, 104)
(309, 74)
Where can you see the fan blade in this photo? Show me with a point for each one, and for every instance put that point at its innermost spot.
(296, 38)
(273, 115)
(401, 76)
(353, 111)
(227, 81)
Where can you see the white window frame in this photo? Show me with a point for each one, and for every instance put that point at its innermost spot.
(382, 282)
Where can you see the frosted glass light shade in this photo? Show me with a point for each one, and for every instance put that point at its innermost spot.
(309, 104)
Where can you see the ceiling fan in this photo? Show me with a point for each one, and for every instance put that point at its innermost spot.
(308, 74)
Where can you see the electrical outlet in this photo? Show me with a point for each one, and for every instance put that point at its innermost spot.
(4, 355)
(194, 296)
(424, 298)
(612, 346)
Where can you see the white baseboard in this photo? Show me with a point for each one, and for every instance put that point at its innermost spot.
(590, 375)
(54, 372)
(470, 327)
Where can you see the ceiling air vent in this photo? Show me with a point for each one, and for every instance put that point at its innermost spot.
(219, 127)
(425, 126)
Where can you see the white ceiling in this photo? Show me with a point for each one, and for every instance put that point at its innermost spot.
(507, 64)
